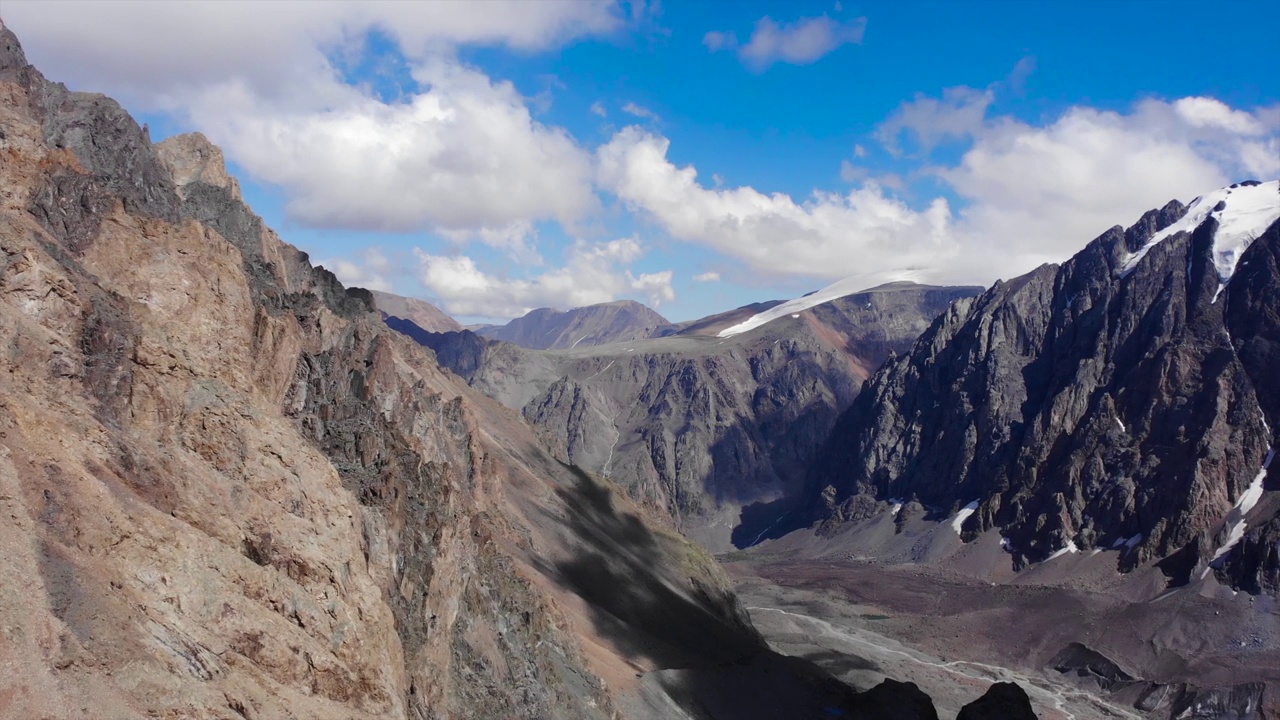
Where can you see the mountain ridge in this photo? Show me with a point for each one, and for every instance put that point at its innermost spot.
(1073, 392)
(589, 325)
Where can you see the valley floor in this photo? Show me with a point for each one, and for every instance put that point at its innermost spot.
(953, 636)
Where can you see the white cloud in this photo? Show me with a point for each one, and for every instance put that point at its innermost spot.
(465, 156)
(370, 271)
(462, 156)
(1029, 194)
(592, 274)
(959, 114)
(640, 112)
(853, 173)
(707, 277)
(1204, 112)
(799, 43)
(148, 50)
(828, 235)
(716, 40)
(598, 109)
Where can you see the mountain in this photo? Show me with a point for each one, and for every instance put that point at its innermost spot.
(697, 426)
(548, 329)
(229, 491)
(420, 312)
(1123, 402)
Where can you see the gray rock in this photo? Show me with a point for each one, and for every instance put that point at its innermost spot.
(1082, 405)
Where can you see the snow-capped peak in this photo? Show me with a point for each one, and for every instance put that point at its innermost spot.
(1243, 213)
(836, 290)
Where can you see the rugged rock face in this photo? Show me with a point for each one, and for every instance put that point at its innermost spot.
(1123, 400)
(227, 490)
(697, 426)
(1001, 701)
(1177, 701)
(419, 312)
(549, 329)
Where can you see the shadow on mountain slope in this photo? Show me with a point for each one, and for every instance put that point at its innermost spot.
(708, 657)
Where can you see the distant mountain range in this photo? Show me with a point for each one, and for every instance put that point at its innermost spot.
(419, 312)
(692, 424)
(548, 329)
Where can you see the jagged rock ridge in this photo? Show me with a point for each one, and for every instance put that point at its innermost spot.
(1123, 400)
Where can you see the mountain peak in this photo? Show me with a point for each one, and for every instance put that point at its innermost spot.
(599, 324)
(191, 158)
(1243, 211)
(11, 55)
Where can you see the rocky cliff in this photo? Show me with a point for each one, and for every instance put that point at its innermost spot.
(1121, 401)
(227, 490)
(550, 329)
(698, 426)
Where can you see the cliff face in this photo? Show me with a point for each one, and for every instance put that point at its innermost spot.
(227, 490)
(1123, 400)
(548, 329)
(697, 426)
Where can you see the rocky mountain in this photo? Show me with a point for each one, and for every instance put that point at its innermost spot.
(698, 426)
(229, 491)
(419, 312)
(548, 329)
(1123, 401)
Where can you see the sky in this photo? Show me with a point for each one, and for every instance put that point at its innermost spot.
(496, 156)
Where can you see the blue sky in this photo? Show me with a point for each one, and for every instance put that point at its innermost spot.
(497, 156)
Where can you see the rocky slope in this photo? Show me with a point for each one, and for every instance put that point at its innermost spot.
(419, 312)
(697, 426)
(228, 491)
(1122, 401)
(547, 329)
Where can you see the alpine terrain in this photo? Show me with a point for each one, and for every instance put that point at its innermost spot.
(229, 491)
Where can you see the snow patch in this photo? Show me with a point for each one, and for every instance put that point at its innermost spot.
(1070, 548)
(1121, 426)
(795, 315)
(838, 289)
(1246, 502)
(958, 521)
(1245, 215)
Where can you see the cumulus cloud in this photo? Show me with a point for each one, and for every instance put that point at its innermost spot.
(799, 43)
(465, 155)
(707, 277)
(597, 108)
(593, 273)
(1028, 194)
(148, 50)
(828, 234)
(459, 154)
